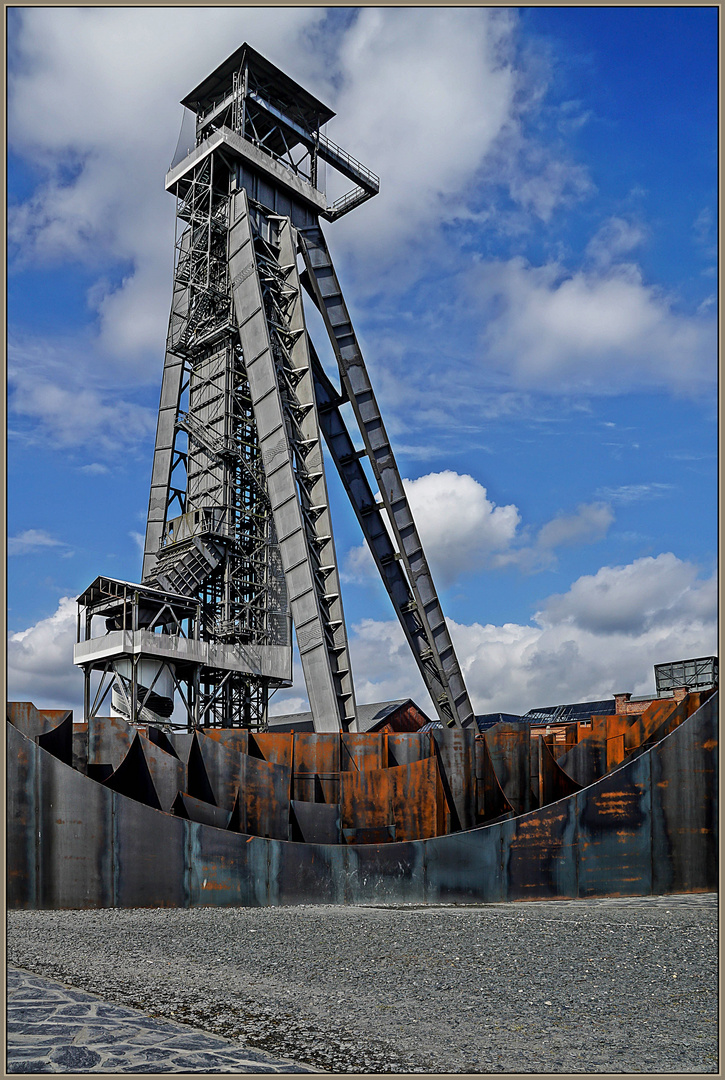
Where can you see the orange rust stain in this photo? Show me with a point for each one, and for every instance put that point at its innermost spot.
(710, 744)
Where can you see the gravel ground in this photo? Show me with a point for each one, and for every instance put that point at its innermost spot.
(616, 986)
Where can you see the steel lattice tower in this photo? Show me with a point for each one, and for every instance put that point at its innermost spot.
(239, 523)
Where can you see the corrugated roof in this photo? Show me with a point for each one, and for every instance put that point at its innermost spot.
(432, 725)
(578, 710)
(367, 716)
(487, 720)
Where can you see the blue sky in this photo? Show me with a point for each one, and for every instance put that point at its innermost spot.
(534, 289)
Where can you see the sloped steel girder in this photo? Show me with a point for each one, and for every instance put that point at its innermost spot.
(448, 690)
(274, 344)
(370, 516)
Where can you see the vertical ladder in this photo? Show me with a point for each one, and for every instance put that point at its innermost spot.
(268, 310)
(447, 689)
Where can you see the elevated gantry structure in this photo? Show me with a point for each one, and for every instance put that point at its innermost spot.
(239, 533)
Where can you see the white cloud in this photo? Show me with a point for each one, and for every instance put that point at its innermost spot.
(438, 500)
(31, 541)
(462, 530)
(94, 468)
(599, 638)
(425, 94)
(615, 238)
(54, 386)
(40, 662)
(139, 540)
(430, 99)
(458, 524)
(602, 637)
(634, 492)
(602, 330)
(630, 600)
(590, 522)
(285, 706)
(383, 666)
(105, 141)
(540, 183)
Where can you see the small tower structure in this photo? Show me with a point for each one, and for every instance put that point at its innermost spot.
(239, 540)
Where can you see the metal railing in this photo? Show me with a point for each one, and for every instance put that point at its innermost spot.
(330, 150)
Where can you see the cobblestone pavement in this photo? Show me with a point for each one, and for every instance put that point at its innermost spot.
(53, 1028)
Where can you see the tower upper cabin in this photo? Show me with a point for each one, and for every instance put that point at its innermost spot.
(271, 127)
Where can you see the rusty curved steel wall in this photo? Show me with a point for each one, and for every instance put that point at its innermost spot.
(649, 827)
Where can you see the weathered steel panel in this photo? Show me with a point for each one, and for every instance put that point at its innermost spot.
(456, 755)
(181, 742)
(235, 739)
(25, 717)
(614, 833)
(360, 750)
(33, 722)
(615, 751)
(75, 838)
(276, 747)
(168, 774)
(668, 725)
(365, 801)
(185, 806)
(415, 794)
(21, 828)
(109, 740)
(311, 873)
(133, 779)
(685, 805)
(491, 801)
(539, 858)
(385, 873)
(262, 807)
(651, 826)
(222, 768)
(554, 783)
(58, 739)
(163, 740)
(314, 823)
(80, 747)
(316, 766)
(587, 761)
(465, 867)
(226, 869)
(641, 726)
(508, 744)
(151, 858)
(407, 747)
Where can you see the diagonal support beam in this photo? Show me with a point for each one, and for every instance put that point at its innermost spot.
(372, 523)
(452, 702)
(292, 455)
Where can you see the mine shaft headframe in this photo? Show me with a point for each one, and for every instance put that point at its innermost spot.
(251, 97)
(261, 129)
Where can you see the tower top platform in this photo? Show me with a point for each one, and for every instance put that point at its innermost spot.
(278, 88)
